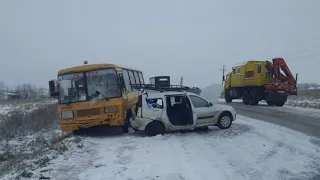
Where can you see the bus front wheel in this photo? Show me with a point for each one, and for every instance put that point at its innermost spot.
(125, 127)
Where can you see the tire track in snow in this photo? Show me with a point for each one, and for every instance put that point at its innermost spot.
(66, 171)
(197, 148)
(123, 157)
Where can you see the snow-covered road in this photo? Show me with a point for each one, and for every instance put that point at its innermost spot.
(250, 149)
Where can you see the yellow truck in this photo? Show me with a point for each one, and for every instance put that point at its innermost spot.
(254, 81)
(96, 94)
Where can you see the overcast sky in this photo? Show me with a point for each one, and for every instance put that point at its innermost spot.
(169, 37)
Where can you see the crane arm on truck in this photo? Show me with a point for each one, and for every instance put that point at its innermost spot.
(279, 63)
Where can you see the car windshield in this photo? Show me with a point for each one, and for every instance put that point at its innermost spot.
(78, 87)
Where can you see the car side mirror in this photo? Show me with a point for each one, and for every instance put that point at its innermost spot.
(210, 104)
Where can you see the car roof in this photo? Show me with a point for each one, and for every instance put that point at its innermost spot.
(158, 94)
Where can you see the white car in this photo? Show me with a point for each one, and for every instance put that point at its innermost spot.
(159, 112)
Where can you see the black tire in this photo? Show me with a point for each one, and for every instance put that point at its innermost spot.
(225, 120)
(245, 97)
(253, 102)
(125, 127)
(270, 103)
(280, 103)
(252, 96)
(154, 128)
(227, 96)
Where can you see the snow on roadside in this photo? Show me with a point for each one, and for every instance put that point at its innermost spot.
(250, 149)
(304, 102)
(286, 107)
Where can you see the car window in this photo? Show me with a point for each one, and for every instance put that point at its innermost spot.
(198, 102)
(155, 103)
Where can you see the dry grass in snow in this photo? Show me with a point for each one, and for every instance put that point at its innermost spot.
(29, 136)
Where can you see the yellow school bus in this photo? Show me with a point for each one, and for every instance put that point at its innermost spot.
(96, 94)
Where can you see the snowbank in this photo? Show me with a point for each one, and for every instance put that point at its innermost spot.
(304, 102)
(301, 104)
(250, 149)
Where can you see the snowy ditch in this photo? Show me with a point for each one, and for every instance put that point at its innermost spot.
(28, 130)
(250, 149)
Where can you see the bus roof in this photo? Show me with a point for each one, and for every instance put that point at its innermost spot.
(91, 67)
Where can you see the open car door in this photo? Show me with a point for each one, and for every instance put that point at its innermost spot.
(180, 112)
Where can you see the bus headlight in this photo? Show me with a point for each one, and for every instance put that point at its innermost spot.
(111, 109)
(67, 114)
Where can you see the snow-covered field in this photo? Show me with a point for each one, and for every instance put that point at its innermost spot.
(28, 129)
(250, 149)
(6, 108)
(304, 102)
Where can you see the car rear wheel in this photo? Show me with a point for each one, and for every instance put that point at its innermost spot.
(224, 121)
(154, 128)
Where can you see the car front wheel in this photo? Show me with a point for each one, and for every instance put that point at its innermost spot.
(224, 121)
(154, 128)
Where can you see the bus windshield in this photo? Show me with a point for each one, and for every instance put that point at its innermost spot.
(78, 87)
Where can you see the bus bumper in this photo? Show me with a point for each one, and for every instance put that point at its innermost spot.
(69, 127)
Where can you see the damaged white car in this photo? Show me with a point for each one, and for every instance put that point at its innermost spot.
(159, 112)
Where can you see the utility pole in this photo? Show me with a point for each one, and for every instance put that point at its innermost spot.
(223, 70)
(181, 81)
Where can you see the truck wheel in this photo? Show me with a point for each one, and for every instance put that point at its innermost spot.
(254, 103)
(225, 120)
(154, 128)
(252, 96)
(280, 103)
(270, 103)
(245, 97)
(227, 97)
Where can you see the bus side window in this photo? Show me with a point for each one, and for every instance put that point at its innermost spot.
(137, 77)
(132, 80)
(141, 77)
(126, 79)
(122, 83)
